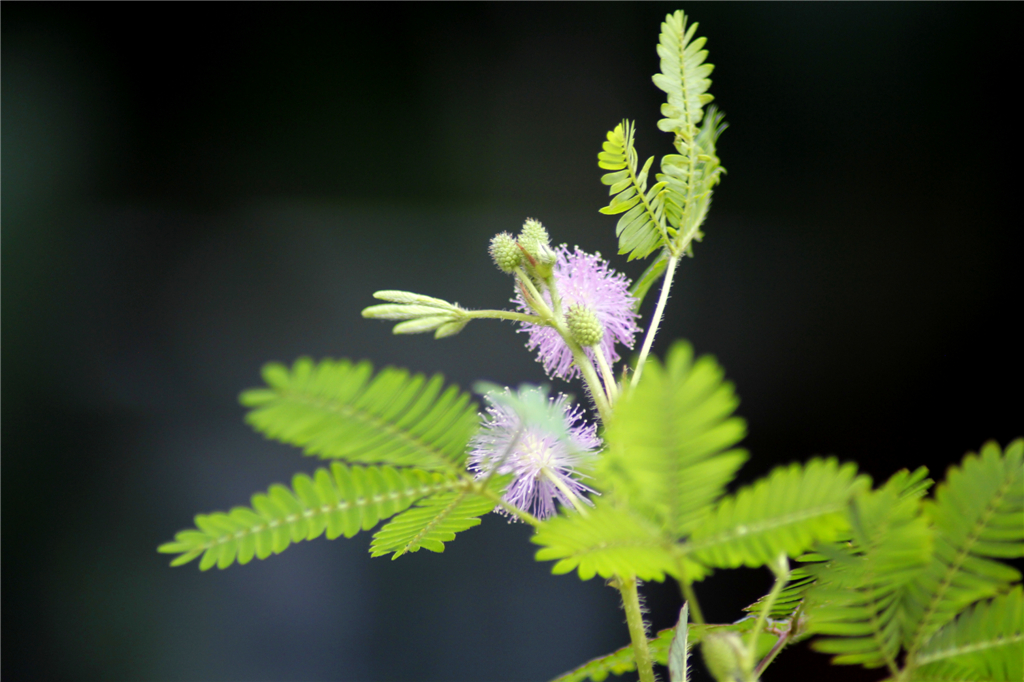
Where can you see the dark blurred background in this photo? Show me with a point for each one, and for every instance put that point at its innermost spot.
(192, 190)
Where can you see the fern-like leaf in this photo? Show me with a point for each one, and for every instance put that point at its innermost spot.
(609, 541)
(788, 511)
(858, 596)
(341, 502)
(432, 522)
(668, 443)
(689, 174)
(683, 77)
(985, 643)
(909, 484)
(641, 230)
(690, 179)
(977, 514)
(338, 409)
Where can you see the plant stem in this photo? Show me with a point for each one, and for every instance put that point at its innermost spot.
(589, 375)
(574, 499)
(780, 567)
(504, 315)
(691, 597)
(606, 373)
(637, 631)
(533, 297)
(670, 272)
(767, 660)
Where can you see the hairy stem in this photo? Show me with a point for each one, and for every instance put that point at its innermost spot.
(637, 631)
(670, 272)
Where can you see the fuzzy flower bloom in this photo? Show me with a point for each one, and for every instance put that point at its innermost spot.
(583, 279)
(541, 441)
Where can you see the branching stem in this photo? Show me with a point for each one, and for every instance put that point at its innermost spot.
(637, 631)
(780, 567)
(670, 272)
(606, 373)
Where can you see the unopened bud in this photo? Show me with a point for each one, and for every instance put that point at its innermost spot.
(723, 656)
(584, 326)
(532, 235)
(505, 252)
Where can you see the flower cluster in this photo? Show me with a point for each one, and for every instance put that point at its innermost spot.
(584, 280)
(542, 441)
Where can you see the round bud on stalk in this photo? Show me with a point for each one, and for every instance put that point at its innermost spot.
(584, 326)
(505, 252)
(723, 656)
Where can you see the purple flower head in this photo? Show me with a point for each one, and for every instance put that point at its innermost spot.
(584, 279)
(541, 441)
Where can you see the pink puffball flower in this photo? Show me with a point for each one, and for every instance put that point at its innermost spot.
(541, 441)
(583, 279)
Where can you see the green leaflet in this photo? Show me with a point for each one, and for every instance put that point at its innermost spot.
(434, 521)
(337, 409)
(342, 502)
(608, 541)
(641, 231)
(977, 514)
(858, 595)
(984, 643)
(788, 511)
(668, 443)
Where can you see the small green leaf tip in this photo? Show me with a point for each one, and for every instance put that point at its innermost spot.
(584, 326)
(505, 252)
(420, 313)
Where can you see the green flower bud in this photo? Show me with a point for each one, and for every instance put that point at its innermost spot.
(584, 326)
(723, 656)
(533, 235)
(505, 252)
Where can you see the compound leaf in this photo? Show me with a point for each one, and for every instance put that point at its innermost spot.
(608, 541)
(432, 522)
(788, 511)
(859, 593)
(338, 409)
(669, 441)
(340, 502)
(977, 514)
(641, 231)
(984, 643)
